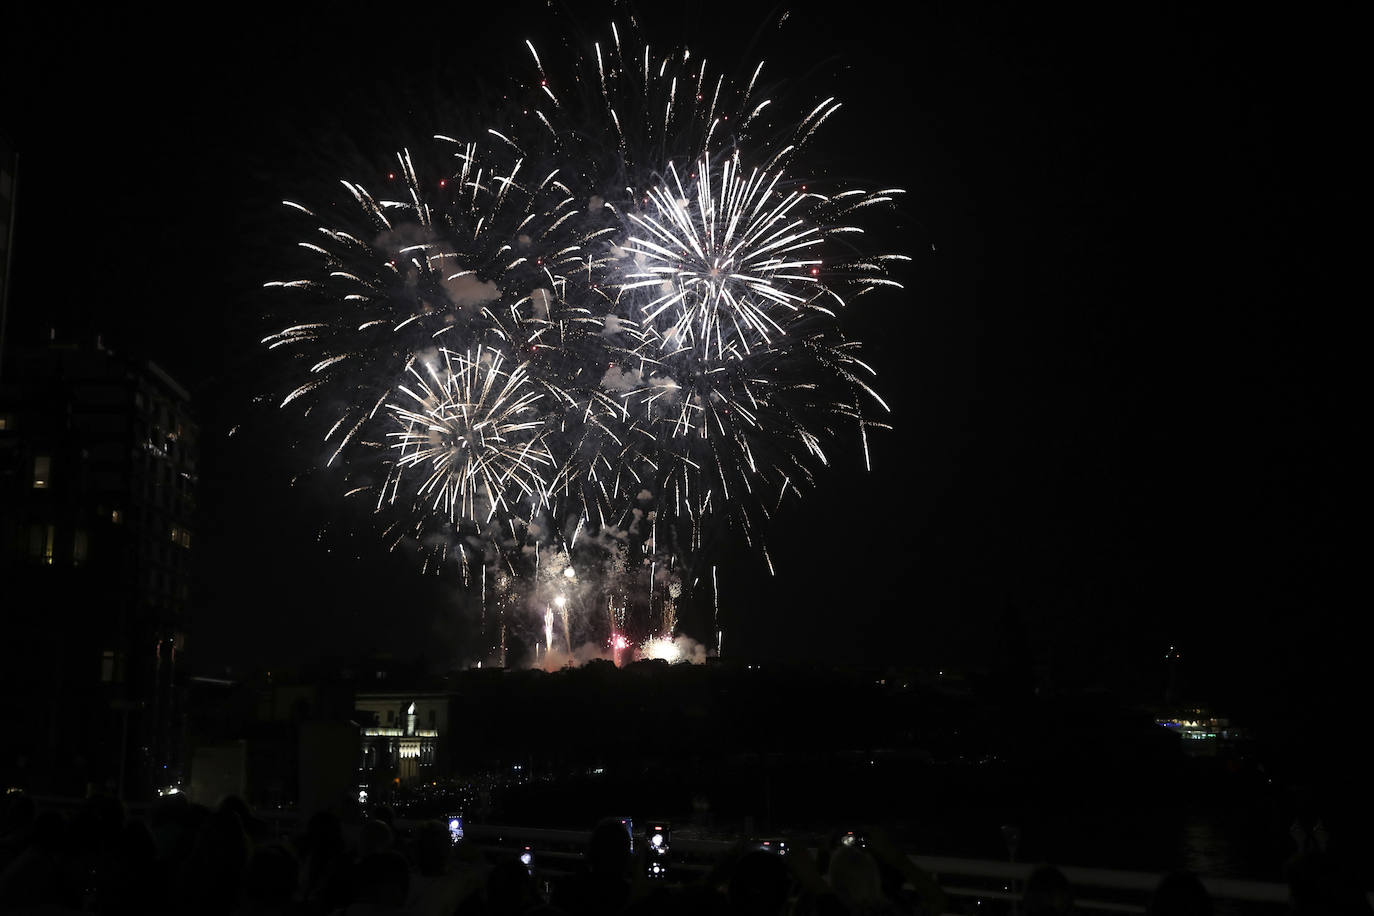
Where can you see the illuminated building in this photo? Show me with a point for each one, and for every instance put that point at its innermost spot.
(97, 483)
(400, 735)
(1201, 731)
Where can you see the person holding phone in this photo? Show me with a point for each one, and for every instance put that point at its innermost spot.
(603, 884)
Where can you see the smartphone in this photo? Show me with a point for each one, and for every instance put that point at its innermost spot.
(455, 828)
(658, 837)
(776, 845)
(853, 838)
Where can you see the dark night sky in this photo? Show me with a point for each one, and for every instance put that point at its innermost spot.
(1112, 374)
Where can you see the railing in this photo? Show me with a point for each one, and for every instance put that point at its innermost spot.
(558, 852)
(1100, 889)
(976, 880)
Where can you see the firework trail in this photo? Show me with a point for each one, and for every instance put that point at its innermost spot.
(617, 302)
(562, 604)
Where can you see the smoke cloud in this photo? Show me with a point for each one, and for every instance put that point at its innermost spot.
(465, 289)
(411, 242)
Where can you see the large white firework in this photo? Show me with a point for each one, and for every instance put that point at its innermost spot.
(721, 262)
(621, 295)
(472, 432)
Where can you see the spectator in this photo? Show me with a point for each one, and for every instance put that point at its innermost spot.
(702, 899)
(211, 878)
(381, 886)
(91, 841)
(1180, 893)
(1047, 893)
(1319, 884)
(324, 864)
(440, 885)
(662, 901)
(17, 815)
(169, 819)
(270, 883)
(253, 826)
(33, 876)
(898, 870)
(857, 882)
(131, 880)
(760, 885)
(604, 885)
(511, 891)
(376, 837)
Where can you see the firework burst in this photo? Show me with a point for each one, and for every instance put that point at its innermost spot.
(619, 302)
(471, 433)
(721, 263)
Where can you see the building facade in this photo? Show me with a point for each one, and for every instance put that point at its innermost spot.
(401, 735)
(9, 192)
(97, 499)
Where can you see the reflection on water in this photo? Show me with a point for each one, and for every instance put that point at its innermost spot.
(1205, 849)
(1215, 842)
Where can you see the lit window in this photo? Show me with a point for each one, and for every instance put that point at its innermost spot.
(48, 544)
(42, 472)
(79, 548)
(5, 422)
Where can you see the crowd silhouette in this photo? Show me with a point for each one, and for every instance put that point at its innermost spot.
(182, 858)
